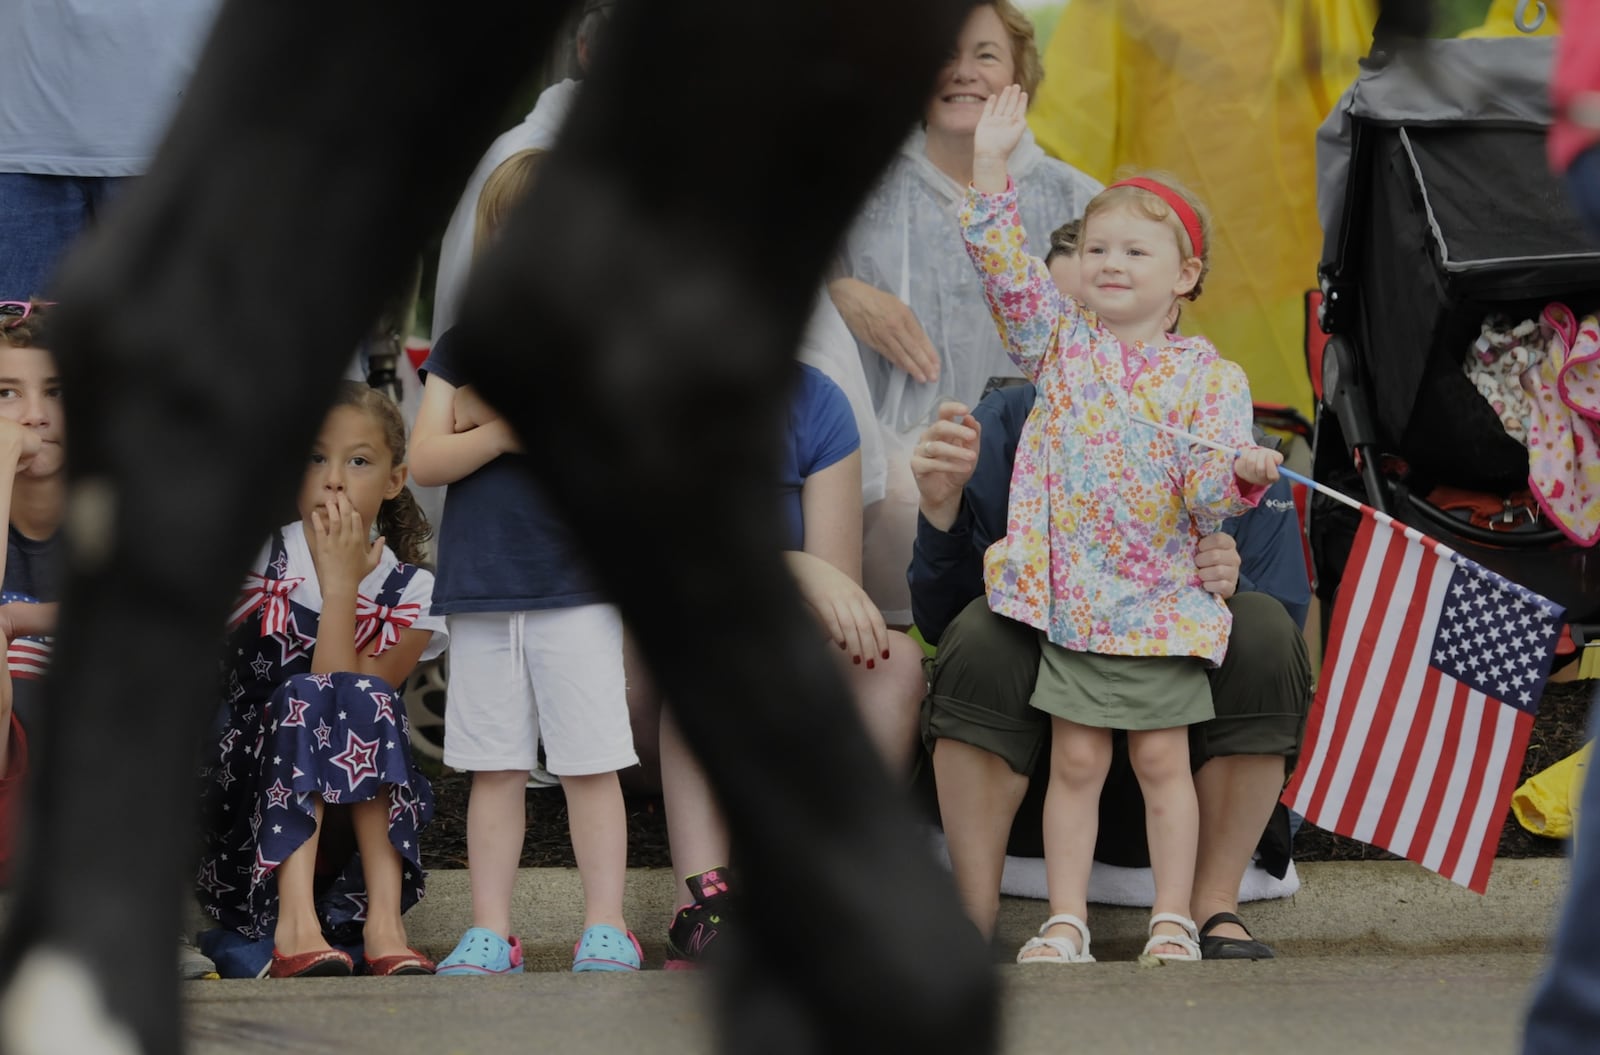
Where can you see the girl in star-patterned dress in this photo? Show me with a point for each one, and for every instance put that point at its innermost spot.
(312, 803)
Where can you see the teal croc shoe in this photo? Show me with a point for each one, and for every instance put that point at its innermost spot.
(482, 951)
(605, 948)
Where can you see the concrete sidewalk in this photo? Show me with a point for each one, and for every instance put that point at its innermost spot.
(1454, 1004)
(1346, 908)
(1377, 958)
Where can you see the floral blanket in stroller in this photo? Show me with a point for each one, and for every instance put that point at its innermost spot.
(1564, 425)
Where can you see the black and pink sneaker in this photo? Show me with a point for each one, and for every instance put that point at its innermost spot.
(697, 930)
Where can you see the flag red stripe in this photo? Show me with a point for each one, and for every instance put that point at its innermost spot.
(1509, 776)
(1410, 758)
(1368, 640)
(1401, 659)
(1438, 771)
(1484, 808)
(1484, 758)
(1340, 646)
(1330, 685)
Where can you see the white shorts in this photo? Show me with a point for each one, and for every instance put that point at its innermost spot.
(518, 676)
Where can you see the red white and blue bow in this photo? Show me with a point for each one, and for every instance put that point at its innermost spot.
(271, 596)
(381, 621)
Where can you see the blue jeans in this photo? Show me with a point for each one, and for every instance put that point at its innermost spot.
(1583, 188)
(39, 218)
(1565, 1014)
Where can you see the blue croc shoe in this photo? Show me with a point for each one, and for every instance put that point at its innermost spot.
(482, 951)
(605, 948)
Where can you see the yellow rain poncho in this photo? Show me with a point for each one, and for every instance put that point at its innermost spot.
(1501, 20)
(1547, 802)
(1226, 95)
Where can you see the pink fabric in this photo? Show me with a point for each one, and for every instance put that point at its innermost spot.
(1577, 70)
(1564, 430)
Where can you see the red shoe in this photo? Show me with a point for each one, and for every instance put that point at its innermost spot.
(322, 963)
(409, 962)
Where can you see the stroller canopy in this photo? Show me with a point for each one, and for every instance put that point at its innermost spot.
(1438, 208)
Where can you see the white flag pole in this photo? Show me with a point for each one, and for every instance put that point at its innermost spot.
(1214, 445)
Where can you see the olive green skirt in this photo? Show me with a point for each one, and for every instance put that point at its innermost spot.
(1122, 692)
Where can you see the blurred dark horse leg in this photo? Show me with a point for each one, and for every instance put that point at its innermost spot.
(673, 263)
(201, 333)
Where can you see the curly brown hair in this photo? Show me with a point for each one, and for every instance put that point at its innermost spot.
(1064, 239)
(400, 520)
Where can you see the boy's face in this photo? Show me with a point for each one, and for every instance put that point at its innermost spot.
(30, 395)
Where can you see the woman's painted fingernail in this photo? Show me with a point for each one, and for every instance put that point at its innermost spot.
(885, 653)
(855, 659)
(869, 664)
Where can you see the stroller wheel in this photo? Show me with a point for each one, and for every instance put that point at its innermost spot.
(425, 703)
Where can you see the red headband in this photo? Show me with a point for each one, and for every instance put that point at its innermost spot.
(1186, 214)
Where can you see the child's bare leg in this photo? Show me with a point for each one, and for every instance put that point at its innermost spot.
(1080, 756)
(696, 831)
(298, 929)
(599, 825)
(1160, 759)
(381, 865)
(497, 821)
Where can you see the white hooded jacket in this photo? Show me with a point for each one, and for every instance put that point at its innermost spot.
(906, 241)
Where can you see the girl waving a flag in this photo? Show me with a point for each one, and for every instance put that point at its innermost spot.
(1105, 512)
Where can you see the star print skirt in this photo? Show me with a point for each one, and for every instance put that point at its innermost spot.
(340, 738)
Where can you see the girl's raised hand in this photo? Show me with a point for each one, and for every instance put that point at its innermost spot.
(339, 548)
(1005, 117)
(1257, 465)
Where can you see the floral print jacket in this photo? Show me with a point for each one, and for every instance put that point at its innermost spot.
(1105, 512)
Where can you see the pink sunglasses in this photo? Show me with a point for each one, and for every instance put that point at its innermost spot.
(14, 311)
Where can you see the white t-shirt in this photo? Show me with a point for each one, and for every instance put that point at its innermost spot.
(87, 87)
(418, 589)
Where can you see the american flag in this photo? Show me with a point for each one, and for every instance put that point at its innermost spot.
(26, 657)
(1433, 675)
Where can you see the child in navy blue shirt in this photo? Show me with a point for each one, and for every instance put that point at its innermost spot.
(536, 654)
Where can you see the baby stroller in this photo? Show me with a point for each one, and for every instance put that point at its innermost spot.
(1438, 209)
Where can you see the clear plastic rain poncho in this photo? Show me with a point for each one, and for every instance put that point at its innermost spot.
(906, 241)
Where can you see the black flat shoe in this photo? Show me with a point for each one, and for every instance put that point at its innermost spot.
(1213, 947)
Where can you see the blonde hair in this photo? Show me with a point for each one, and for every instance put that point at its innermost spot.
(1024, 49)
(507, 185)
(1150, 204)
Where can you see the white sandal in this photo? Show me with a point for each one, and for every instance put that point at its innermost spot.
(1064, 949)
(1189, 940)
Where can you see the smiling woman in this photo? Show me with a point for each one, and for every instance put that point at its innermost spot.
(903, 284)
